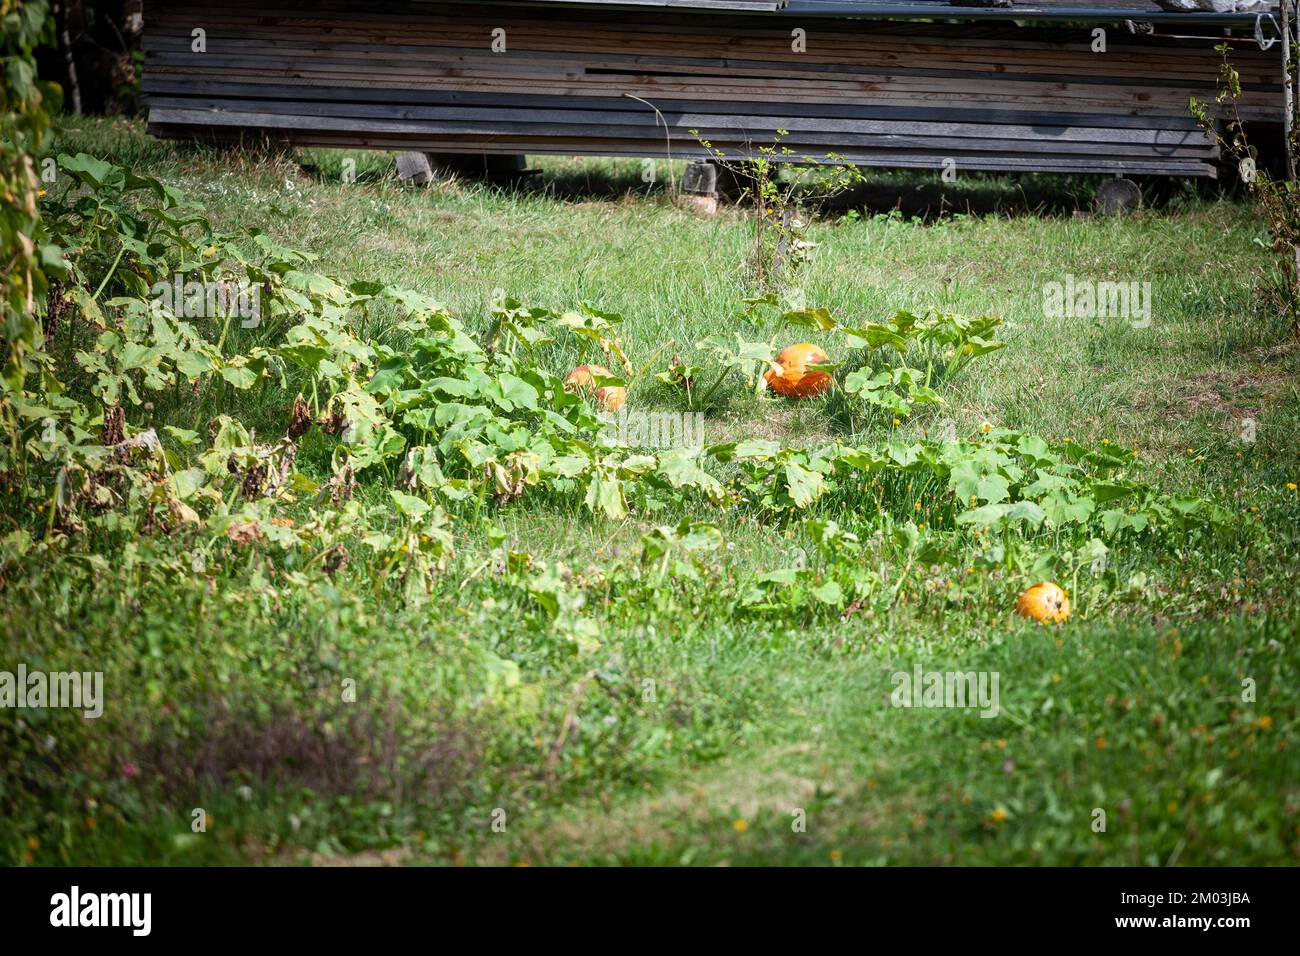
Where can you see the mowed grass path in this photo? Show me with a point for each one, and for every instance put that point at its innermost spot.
(1107, 714)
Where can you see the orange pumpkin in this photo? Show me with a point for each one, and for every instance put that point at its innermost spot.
(795, 380)
(1044, 602)
(583, 378)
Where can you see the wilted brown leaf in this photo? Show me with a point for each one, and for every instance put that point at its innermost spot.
(244, 535)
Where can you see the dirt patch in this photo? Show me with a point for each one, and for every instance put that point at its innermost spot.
(1228, 394)
(375, 753)
(1231, 395)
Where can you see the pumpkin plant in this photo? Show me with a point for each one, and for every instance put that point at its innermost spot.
(798, 372)
(747, 359)
(607, 389)
(1045, 603)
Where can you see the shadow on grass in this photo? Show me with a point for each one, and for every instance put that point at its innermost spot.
(919, 194)
(922, 195)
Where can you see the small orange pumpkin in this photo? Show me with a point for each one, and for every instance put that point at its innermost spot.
(795, 380)
(583, 378)
(1044, 602)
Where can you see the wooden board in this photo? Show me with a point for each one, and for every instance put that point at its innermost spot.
(584, 79)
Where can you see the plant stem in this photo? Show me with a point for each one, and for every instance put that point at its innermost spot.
(714, 387)
(111, 270)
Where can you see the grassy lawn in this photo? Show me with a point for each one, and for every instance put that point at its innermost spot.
(607, 706)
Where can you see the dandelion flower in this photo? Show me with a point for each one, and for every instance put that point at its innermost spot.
(740, 826)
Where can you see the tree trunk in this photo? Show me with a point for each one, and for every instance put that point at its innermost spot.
(71, 87)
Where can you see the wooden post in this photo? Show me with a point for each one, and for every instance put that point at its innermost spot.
(1288, 94)
(1289, 131)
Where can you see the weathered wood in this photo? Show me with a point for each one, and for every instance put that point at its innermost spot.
(414, 168)
(1117, 195)
(581, 78)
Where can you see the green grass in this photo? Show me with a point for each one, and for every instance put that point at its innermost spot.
(678, 278)
(1134, 707)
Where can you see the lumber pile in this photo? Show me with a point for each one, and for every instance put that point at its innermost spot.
(587, 79)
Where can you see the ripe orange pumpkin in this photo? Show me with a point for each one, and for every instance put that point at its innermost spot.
(583, 378)
(795, 380)
(1044, 602)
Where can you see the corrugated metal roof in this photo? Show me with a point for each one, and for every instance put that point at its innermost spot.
(744, 6)
(1030, 10)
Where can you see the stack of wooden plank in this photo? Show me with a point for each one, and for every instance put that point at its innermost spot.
(1240, 13)
(585, 79)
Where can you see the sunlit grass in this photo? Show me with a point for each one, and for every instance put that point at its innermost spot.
(1136, 709)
